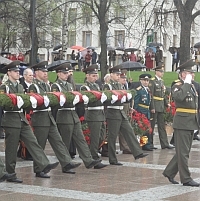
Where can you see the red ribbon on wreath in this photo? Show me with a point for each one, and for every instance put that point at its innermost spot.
(57, 94)
(117, 93)
(79, 94)
(97, 94)
(38, 97)
(13, 98)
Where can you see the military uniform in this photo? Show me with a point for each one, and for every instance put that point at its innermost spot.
(117, 122)
(68, 121)
(185, 122)
(141, 104)
(94, 115)
(158, 103)
(44, 125)
(17, 127)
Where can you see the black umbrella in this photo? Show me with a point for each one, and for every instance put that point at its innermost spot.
(54, 64)
(197, 45)
(110, 48)
(130, 49)
(54, 52)
(3, 69)
(132, 65)
(90, 47)
(57, 47)
(120, 48)
(154, 44)
(73, 62)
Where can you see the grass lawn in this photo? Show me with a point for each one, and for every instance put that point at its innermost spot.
(169, 77)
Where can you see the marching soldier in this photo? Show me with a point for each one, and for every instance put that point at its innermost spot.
(17, 127)
(158, 104)
(68, 121)
(185, 122)
(44, 125)
(142, 102)
(94, 114)
(118, 122)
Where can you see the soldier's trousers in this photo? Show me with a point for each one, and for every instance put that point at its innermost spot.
(97, 131)
(159, 117)
(121, 125)
(74, 131)
(179, 163)
(25, 133)
(50, 133)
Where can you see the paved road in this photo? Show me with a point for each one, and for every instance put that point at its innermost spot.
(134, 181)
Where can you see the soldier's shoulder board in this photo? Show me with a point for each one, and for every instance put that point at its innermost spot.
(139, 88)
(178, 83)
(153, 78)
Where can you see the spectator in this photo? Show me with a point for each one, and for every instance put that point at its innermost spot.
(132, 56)
(158, 56)
(73, 56)
(112, 57)
(175, 58)
(79, 58)
(149, 59)
(140, 57)
(88, 58)
(94, 57)
(125, 56)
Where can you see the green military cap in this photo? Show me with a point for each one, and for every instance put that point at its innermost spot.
(63, 67)
(123, 75)
(92, 69)
(116, 69)
(40, 66)
(187, 66)
(13, 66)
(145, 76)
(160, 67)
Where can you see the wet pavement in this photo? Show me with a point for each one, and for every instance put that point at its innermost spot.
(136, 180)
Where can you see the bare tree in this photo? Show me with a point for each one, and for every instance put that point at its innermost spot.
(187, 16)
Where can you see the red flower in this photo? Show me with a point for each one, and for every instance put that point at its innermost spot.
(82, 118)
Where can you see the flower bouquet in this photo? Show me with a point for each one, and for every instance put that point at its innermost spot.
(141, 125)
(85, 129)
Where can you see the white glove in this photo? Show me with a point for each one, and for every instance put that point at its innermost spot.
(188, 79)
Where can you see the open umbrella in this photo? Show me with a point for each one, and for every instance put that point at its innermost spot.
(132, 65)
(154, 44)
(197, 45)
(90, 47)
(120, 48)
(54, 64)
(77, 47)
(130, 49)
(4, 60)
(57, 47)
(110, 48)
(73, 62)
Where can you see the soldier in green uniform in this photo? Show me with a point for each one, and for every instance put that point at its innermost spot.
(44, 125)
(68, 121)
(117, 122)
(17, 127)
(94, 114)
(185, 122)
(158, 104)
(142, 102)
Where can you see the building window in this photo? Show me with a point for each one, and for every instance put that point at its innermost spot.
(42, 39)
(71, 38)
(120, 15)
(72, 17)
(174, 40)
(56, 38)
(119, 38)
(87, 15)
(87, 38)
(175, 20)
(26, 39)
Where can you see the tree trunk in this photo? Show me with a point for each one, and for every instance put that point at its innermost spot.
(103, 58)
(185, 41)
